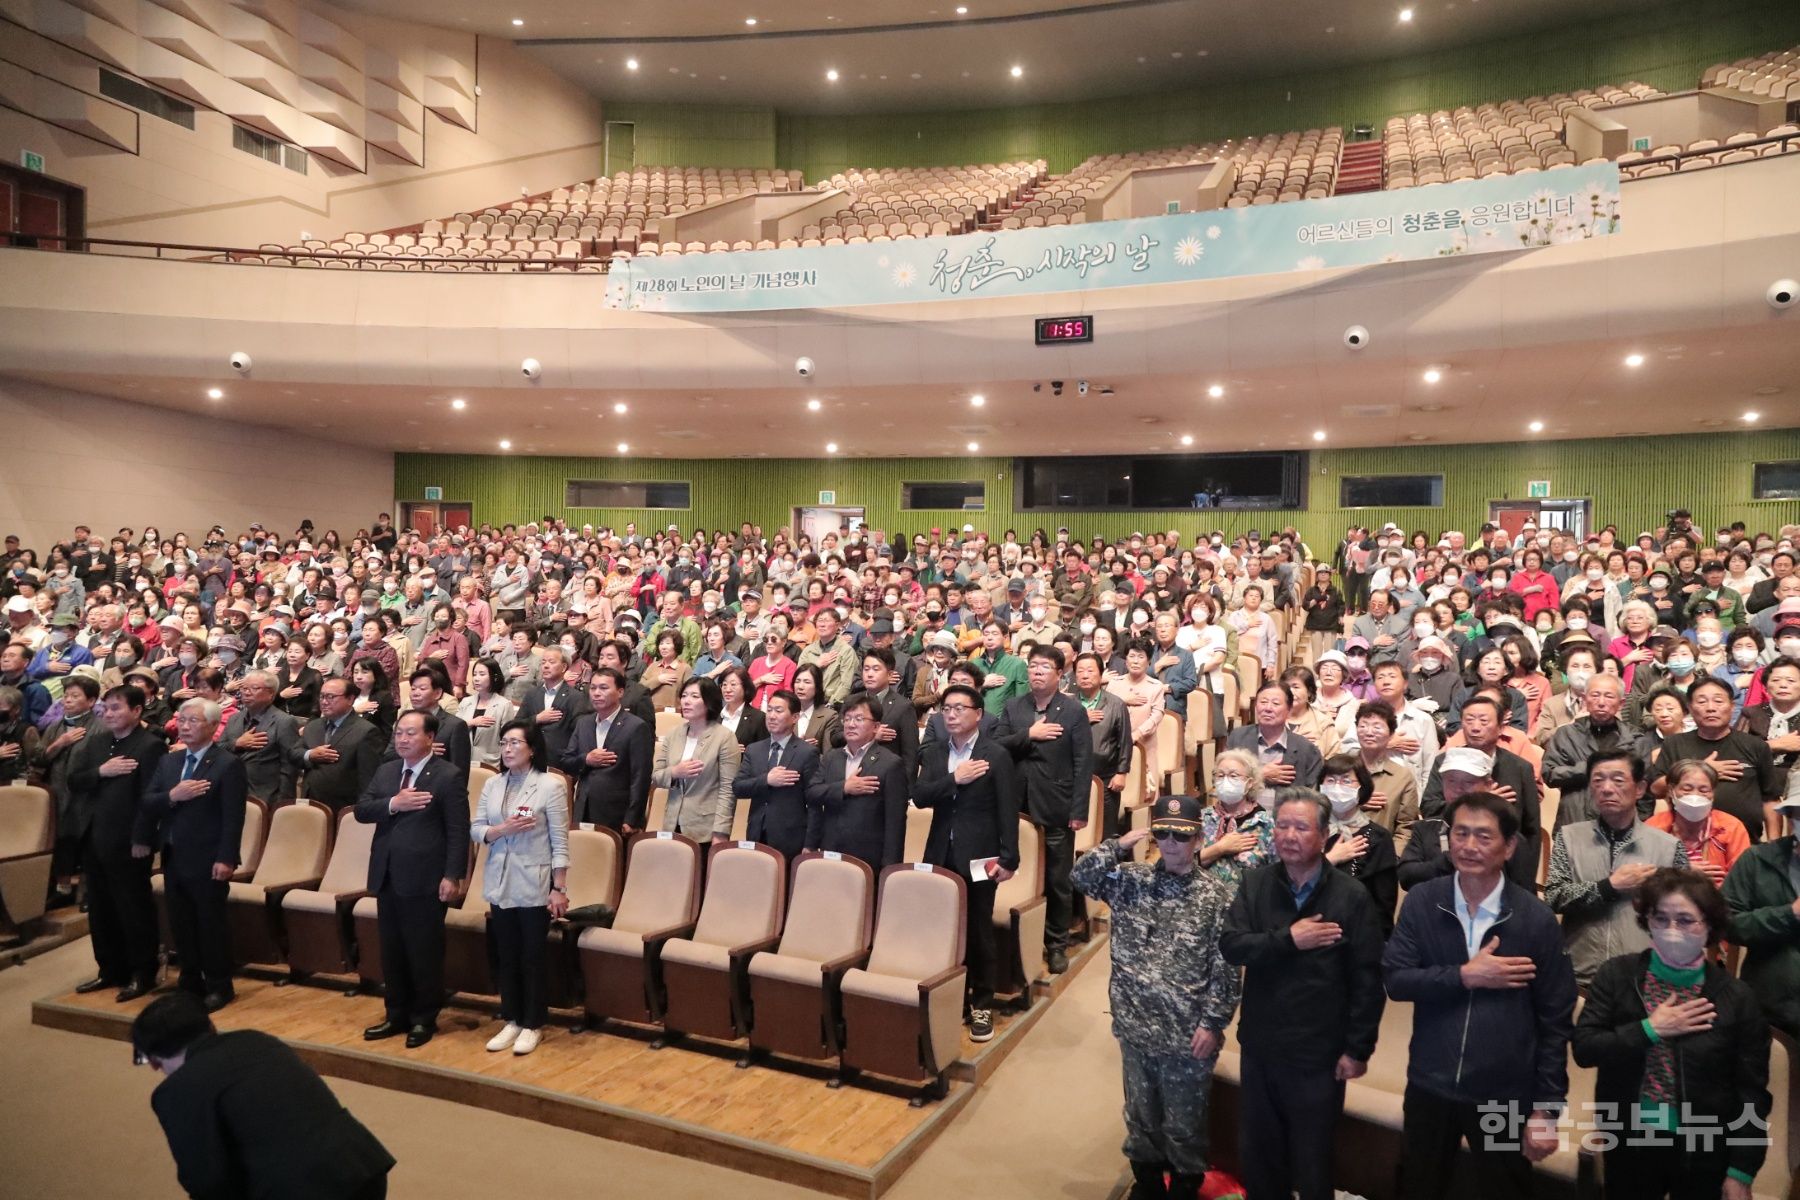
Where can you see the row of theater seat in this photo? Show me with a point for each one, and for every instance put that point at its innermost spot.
(1776, 76)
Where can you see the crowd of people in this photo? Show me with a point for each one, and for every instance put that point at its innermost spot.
(1444, 692)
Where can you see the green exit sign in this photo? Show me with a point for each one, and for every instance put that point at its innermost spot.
(31, 160)
(1537, 489)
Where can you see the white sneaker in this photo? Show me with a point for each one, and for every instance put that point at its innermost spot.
(505, 1038)
(527, 1042)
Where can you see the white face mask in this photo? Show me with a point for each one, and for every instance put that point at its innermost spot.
(1745, 655)
(1430, 664)
(1087, 627)
(1037, 614)
(59, 637)
(1679, 947)
(1342, 797)
(1708, 637)
(1694, 808)
(1595, 573)
(1576, 624)
(1570, 555)
(1229, 790)
(1789, 647)
(1578, 680)
(1423, 629)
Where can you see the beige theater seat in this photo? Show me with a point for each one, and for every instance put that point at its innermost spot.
(299, 845)
(478, 777)
(365, 924)
(918, 829)
(1019, 914)
(596, 871)
(316, 920)
(706, 976)
(1171, 750)
(903, 1012)
(27, 836)
(795, 1001)
(466, 963)
(620, 965)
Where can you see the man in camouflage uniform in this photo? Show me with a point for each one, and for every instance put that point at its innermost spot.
(1172, 992)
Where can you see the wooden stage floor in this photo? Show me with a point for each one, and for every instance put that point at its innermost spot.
(688, 1099)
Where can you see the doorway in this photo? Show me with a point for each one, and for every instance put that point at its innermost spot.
(428, 517)
(1573, 517)
(619, 150)
(819, 521)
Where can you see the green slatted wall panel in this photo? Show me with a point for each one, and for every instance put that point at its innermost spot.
(1632, 482)
(1667, 46)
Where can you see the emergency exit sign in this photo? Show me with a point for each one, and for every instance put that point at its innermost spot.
(826, 497)
(1537, 489)
(31, 160)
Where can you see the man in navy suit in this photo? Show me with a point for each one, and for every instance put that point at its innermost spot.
(969, 782)
(610, 756)
(858, 798)
(1047, 732)
(419, 805)
(194, 810)
(775, 775)
(899, 730)
(555, 707)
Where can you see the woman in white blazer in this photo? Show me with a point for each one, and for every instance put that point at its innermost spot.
(523, 819)
(698, 762)
(486, 710)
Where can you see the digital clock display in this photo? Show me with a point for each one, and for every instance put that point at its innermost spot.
(1058, 331)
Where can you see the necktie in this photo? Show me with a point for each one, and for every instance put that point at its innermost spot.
(775, 755)
(406, 779)
(193, 764)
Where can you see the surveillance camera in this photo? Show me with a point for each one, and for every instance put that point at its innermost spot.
(1783, 293)
(1082, 387)
(240, 362)
(803, 366)
(1356, 337)
(1056, 387)
(531, 368)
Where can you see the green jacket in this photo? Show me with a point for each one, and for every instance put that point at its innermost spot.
(1010, 665)
(692, 643)
(1762, 897)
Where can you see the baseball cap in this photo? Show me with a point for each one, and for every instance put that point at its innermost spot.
(18, 604)
(1467, 760)
(1176, 814)
(1432, 645)
(943, 639)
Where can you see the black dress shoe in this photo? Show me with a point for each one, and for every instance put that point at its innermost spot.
(1058, 962)
(214, 1001)
(418, 1035)
(135, 989)
(385, 1029)
(98, 983)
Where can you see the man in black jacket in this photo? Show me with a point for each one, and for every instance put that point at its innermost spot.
(1473, 951)
(419, 805)
(899, 730)
(108, 775)
(1110, 726)
(338, 750)
(556, 705)
(971, 786)
(194, 810)
(1511, 779)
(452, 741)
(245, 1117)
(1309, 940)
(616, 654)
(1046, 732)
(856, 801)
(775, 775)
(609, 754)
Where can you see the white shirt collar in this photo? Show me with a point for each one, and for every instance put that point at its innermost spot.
(1490, 904)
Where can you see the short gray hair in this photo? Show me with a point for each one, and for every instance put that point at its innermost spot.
(1320, 808)
(1249, 762)
(209, 710)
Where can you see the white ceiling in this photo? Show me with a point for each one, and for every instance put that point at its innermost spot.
(916, 55)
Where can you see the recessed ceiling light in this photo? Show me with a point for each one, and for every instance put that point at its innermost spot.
(1634, 360)
(974, 446)
(1406, 15)
(505, 445)
(624, 449)
(1432, 374)
(749, 20)
(459, 404)
(977, 400)
(518, 21)
(831, 447)
(831, 75)
(1318, 435)
(620, 408)
(1187, 439)
(962, 10)
(1216, 391)
(1017, 70)
(813, 406)
(1536, 427)
(631, 64)
(1752, 417)
(215, 393)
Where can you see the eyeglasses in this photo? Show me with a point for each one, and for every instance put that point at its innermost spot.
(513, 741)
(1684, 922)
(1170, 835)
(959, 708)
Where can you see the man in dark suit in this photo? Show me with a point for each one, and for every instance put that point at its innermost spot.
(775, 775)
(610, 756)
(972, 788)
(617, 655)
(419, 805)
(899, 730)
(1110, 725)
(338, 750)
(556, 705)
(1513, 781)
(453, 742)
(1046, 731)
(108, 774)
(857, 800)
(194, 810)
(264, 739)
(245, 1117)
(1288, 759)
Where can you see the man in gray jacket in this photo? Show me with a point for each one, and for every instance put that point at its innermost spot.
(1597, 865)
(265, 739)
(1566, 757)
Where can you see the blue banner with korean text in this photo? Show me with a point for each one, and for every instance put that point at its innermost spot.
(1485, 216)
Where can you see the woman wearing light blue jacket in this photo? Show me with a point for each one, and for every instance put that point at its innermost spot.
(523, 819)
